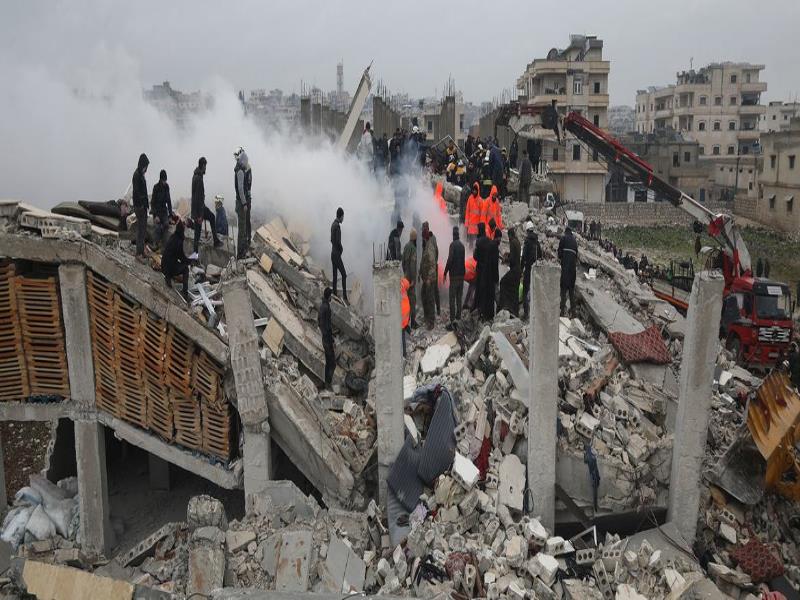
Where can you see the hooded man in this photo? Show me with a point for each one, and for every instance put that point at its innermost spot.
(140, 204)
(325, 322)
(395, 249)
(174, 261)
(243, 182)
(427, 275)
(525, 177)
(531, 252)
(200, 211)
(427, 235)
(221, 215)
(482, 256)
(509, 284)
(409, 262)
(161, 208)
(473, 214)
(493, 212)
(568, 257)
(336, 252)
(455, 267)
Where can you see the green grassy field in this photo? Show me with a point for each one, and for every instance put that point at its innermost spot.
(662, 243)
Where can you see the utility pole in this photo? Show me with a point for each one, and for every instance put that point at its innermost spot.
(736, 180)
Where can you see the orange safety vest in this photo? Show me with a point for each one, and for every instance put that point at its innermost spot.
(493, 210)
(405, 305)
(473, 214)
(484, 204)
(438, 195)
(470, 269)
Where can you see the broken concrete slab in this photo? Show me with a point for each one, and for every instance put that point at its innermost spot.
(291, 574)
(345, 567)
(609, 314)
(511, 484)
(206, 567)
(512, 361)
(435, 358)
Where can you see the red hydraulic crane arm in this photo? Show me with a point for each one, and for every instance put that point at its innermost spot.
(720, 227)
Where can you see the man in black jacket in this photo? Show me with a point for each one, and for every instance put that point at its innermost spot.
(200, 211)
(140, 204)
(525, 177)
(455, 266)
(568, 257)
(531, 252)
(326, 329)
(509, 285)
(336, 252)
(394, 250)
(161, 208)
(174, 261)
(482, 257)
(243, 182)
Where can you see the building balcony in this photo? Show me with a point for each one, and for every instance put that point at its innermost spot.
(546, 99)
(597, 99)
(748, 135)
(756, 86)
(561, 66)
(664, 113)
(683, 110)
(752, 109)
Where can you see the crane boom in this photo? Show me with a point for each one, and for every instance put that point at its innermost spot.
(719, 226)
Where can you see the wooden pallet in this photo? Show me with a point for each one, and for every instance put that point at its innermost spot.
(100, 295)
(14, 384)
(187, 418)
(179, 357)
(129, 363)
(218, 431)
(207, 380)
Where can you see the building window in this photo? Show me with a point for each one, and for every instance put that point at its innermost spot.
(594, 155)
(596, 87)
(717, 126)
(772, 161)
(715, 151)
(596, 120)
(577, 87)
(576, 152)
(744, 149)
(785, 117)
(731, 125)
(701, 150)
(733, 100)
(703, 100)
(750, 185)
(717, 100)
(789, 204)
(555, 154)
(675, 160)
(430, 126)
(733, 78)
(791, 161)
(774, 117)
(747, 78)
(687, 157)
(701, 126)
(772, 202)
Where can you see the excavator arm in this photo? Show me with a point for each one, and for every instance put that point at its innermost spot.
(721, 227)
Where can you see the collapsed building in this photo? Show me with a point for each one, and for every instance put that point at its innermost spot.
(415, 470)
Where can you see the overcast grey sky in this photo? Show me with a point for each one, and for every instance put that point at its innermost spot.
(415, 44)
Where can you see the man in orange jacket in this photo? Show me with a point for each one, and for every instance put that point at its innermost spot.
(473, 214)
(494, 210)
(405, 310)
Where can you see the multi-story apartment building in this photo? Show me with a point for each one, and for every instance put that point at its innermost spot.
(577, 79)
(779, 181)
(719, 106)
(778, 115)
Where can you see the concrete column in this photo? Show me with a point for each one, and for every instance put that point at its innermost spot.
(90, 455)
(77, 334)
(3, 492)
(694, 401)
(543, 390)
(158, 471)
(248, 380)
(388, 369)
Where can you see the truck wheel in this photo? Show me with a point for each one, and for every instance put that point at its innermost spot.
(734, 346)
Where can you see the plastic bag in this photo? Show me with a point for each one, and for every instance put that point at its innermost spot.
(39, 525)
(49, 491)
(28, 495)
(61, 513)
(14, 525)
(70, 486)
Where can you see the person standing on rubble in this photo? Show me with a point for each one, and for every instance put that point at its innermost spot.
(366, 148)
(531, 252)
(325, 322)
(405, 311)
(456, 268)
(140, 204)
(496, 165)
(174, 261)
(409, 261)
(494, 274)
(336, 253)
(395, 249)
(243, 182)
(473, 214)
(221, 215)
(161, 208)
(427, 235)
(200, 211)
(509, 285)
(481, 254)
(525, 177)
(427, 275)
(568, 257)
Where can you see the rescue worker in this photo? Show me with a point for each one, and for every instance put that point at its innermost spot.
(496, 165)
(366, 147)
(427, 235)
(405, 311)
(473, 214)
(161, 208)
(326, 329)
(394, 249)
(427, 275)
(493, 212)
(509, 284)
(221, 215)
(200, 211)
(243, 182)
(456, 268)
(140, 204)
(514, 153)
(470, 277)
(482, 256)
(174, 262)
(494, 273)
(336, 252)
(525, 177)
(568, 257)
(409, 262)
(531, 252)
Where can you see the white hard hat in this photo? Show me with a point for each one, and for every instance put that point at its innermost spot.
(415, 129)
(238, 152)
(528, 226)
(219, 198)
